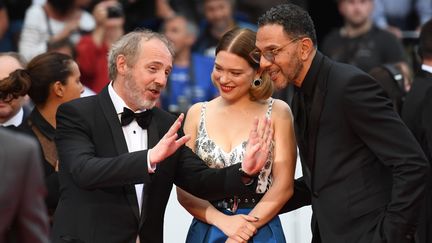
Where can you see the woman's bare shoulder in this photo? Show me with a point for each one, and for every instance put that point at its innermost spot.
(281, 109)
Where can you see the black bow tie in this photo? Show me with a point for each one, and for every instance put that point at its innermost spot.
(143, 118)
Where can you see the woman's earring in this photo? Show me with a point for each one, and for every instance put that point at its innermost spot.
(257, 82)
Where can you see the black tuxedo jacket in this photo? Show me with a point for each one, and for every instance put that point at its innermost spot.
(363, 171)
(418, 116)
(412, 108)
(97, 175)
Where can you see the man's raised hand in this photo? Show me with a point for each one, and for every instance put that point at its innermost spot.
(169, 143)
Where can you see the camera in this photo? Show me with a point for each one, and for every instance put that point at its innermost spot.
(115, 11)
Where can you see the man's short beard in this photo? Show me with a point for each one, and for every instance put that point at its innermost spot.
(358, 24)
(135, 96)
(298, 66)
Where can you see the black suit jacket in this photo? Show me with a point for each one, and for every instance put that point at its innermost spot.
(97, 175)
(412, 108)
(418, 116)
(363, 171)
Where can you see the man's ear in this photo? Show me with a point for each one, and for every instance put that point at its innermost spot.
(306, 48)
(121, 64)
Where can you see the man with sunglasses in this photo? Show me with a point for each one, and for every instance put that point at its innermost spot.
(363, 171)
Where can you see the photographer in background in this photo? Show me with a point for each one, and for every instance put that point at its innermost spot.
(54, 21)
(93, 48)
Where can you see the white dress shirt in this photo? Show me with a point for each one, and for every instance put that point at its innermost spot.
(426, 68)
(135, 136)
(15, 120)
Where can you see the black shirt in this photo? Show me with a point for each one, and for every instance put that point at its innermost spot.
(372, 49)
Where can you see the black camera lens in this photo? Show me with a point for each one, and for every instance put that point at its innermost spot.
(115, 12)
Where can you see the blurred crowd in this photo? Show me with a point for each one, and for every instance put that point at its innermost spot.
(365, 33)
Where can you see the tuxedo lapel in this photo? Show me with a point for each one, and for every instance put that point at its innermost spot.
(153, 130)
(113, 121)
(425, 74)
(119, 142)
(152, 140)
(315, 116)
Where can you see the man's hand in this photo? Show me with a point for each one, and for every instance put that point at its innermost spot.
(169, 143)
(257, 149)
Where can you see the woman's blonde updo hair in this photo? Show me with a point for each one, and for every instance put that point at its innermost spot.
(241, 42)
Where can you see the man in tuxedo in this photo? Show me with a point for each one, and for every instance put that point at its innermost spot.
(117, 167)
(24, 217)
(422, 82)
(13, 112)
(417, 115)
(363, 171)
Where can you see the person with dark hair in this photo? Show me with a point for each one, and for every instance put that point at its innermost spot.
(23, 213)
(119, 155)
(49, 79)
(422, 80)
(13, 112)
(416, 113)
(244, 93)
(358, 41)
(219, 18)
(363, 171)
(148, 14)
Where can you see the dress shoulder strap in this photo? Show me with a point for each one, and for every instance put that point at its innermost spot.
(203, 109)
(269, 108)
(202, 118)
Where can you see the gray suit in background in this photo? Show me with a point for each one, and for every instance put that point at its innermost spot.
(23, 215)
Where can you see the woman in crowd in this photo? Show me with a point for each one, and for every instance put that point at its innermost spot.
(50, 79)
(219, 132)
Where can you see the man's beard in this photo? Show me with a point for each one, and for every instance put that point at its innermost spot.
(291, 78)
(357, 24)
(134, 94)
(298, 67)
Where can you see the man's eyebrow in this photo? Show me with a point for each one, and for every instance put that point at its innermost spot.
(155, 63)
(271, 47)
